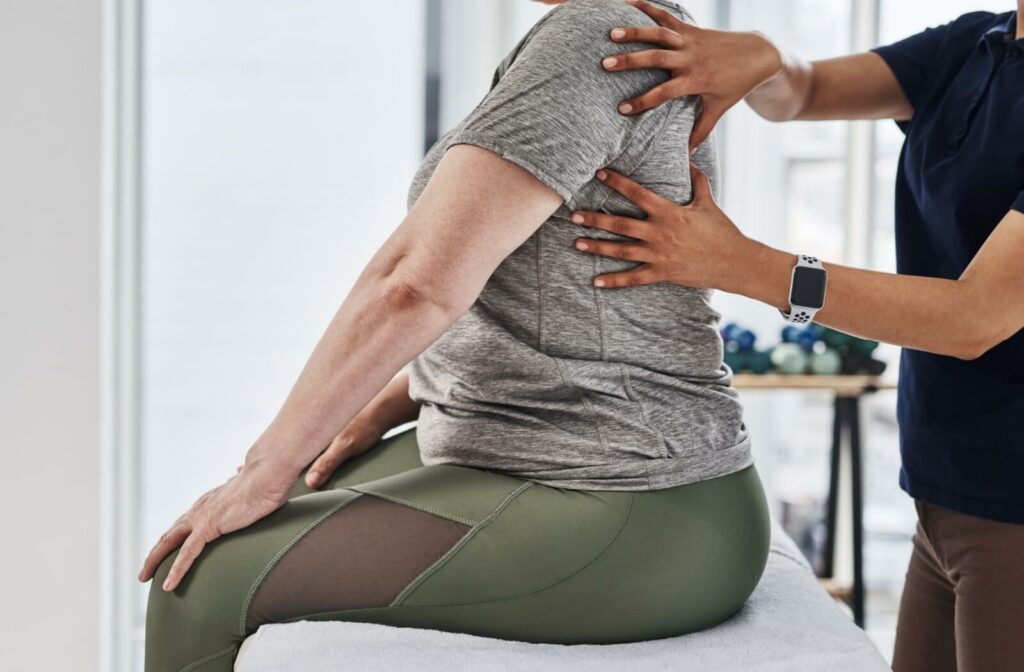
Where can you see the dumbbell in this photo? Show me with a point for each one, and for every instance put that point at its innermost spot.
(839, 341)
(743, 338)
(805, 337)
(789, 358)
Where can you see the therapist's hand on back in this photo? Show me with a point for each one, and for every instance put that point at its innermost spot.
(694, 245)
(720, 66)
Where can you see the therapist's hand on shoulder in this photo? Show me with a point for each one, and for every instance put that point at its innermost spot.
(720, 66)
(693, 245)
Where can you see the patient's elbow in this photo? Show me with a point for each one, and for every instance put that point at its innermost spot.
(402, 293)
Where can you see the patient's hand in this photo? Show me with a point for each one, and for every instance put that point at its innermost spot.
(695, 245)
(357, 438)
(720, 66)
(390, 408)
(255, 491)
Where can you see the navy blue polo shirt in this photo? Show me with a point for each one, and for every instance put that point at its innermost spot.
(961, 171)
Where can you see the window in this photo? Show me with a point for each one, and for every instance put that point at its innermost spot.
(279, 141)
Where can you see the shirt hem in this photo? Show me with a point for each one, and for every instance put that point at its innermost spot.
(972, 506)
(509, 154)
(661, 473)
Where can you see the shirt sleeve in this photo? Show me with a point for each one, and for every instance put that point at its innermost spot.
(554, 110)
(1018, 204)
(912, 60)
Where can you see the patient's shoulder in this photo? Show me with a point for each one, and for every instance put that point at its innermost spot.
(579, 19)
(613, 10)
(572, 40)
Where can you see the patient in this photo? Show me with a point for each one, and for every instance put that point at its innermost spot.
(580, 471)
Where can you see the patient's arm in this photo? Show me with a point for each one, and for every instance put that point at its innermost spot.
(476, 210)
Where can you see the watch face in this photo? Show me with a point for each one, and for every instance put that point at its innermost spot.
(808, 287)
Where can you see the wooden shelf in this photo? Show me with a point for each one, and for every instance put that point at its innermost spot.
(836, 591)
(852, 385)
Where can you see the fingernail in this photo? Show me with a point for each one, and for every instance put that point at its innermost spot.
(601, 175)
(580, 245)
(167, 584)
(625, 108)
(610, 62)
(618, 33)
(599, 282)
(577, 219)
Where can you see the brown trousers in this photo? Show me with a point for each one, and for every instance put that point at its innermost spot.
(963, 603)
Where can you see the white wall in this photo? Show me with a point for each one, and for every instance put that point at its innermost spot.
(49, 293)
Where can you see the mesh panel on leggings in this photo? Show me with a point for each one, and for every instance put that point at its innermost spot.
(362, 556)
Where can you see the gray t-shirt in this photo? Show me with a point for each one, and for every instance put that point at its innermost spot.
(546, 377)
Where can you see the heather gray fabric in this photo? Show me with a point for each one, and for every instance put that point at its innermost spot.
(546, 378)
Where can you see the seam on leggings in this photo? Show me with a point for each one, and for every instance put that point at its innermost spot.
(416, 505)
(281, 553)
(622, 526)
(440, 562)
(206, 659)
(497, 599)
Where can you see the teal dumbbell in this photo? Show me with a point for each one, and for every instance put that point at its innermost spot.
(789, 358)
(825, 363)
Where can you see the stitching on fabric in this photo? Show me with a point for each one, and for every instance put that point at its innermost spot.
(599, 302)
(420, 507)
(206, 659)
(628, 385)
(281, 553)
(586, 403)
(472, 532)
(596, 261)
(622, 527)
(540, 292)
(625, 520)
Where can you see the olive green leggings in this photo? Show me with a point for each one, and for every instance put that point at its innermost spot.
(445, 547)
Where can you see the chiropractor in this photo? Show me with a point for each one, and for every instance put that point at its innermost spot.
(956, 306)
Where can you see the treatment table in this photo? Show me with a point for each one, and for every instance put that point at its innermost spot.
(789, 624)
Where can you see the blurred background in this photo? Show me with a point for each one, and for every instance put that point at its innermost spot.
(188, 189)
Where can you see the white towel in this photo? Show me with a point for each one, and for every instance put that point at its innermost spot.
(788, 625)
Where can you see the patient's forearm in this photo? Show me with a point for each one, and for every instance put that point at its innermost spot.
(383, 324)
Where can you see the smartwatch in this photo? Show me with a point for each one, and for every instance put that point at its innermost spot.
(806, 289)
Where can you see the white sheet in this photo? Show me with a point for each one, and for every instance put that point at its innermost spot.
(788, 625)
